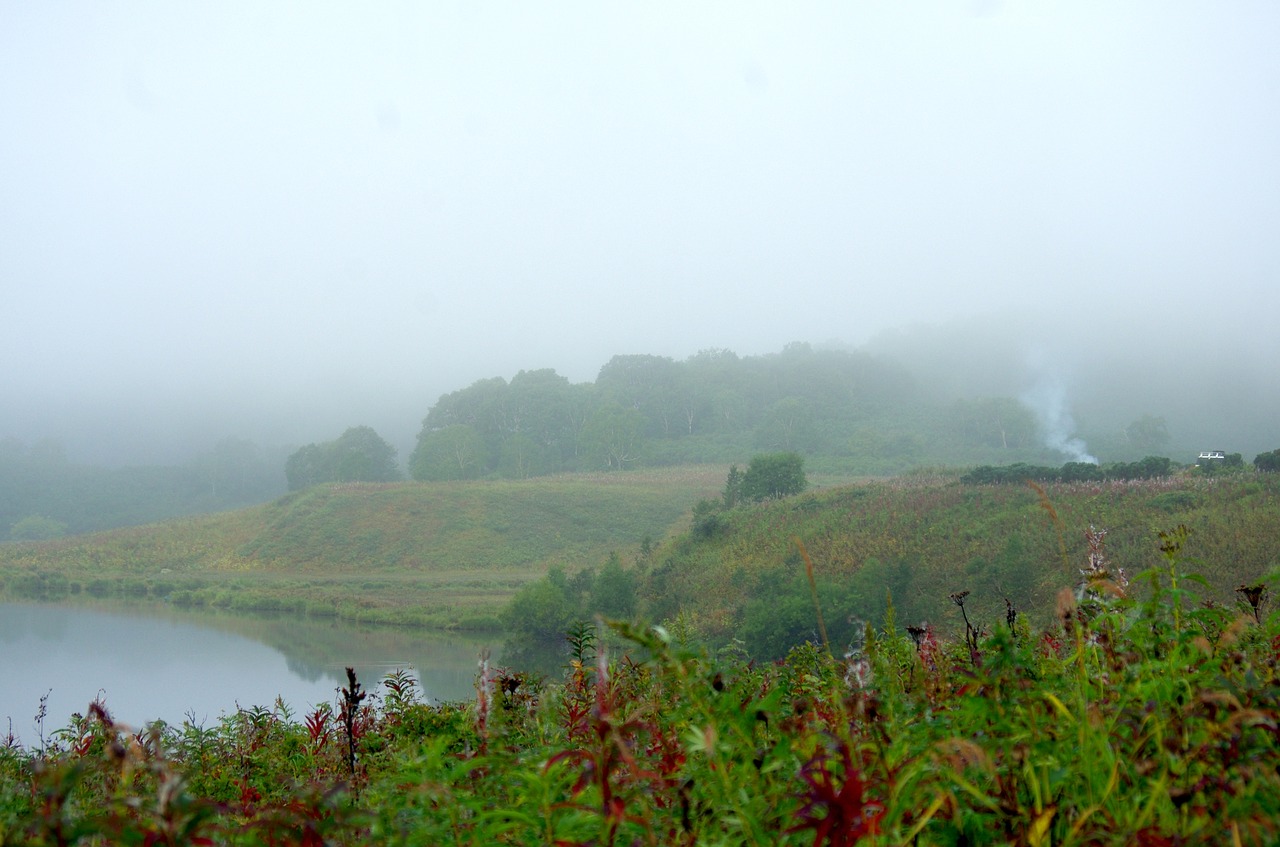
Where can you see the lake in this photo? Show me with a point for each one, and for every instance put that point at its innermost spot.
(173, 665)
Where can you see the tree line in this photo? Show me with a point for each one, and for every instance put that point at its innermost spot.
(851, 407)
(1151, 467)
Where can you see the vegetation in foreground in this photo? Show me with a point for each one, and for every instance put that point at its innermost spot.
(1138, 716)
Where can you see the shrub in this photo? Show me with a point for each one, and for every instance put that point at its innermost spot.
(543, 610)
(773, 475)
(37, 528)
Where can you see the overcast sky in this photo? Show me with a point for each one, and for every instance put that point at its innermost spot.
(243, 213)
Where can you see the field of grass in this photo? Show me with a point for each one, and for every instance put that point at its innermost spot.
(442, 555)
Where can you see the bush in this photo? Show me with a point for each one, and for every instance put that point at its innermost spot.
(783, 615)
(37, 528)
(542, 610)
(613, 592)
(1267, 462)
(773, 475)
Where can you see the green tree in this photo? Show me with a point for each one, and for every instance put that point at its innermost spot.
(37, 528)
(455, 452)
(732, 487)
(1228, 464)
(538, 407)
(543, 610)
(483, 406)
(788, 425)
(773, 475)
(521, 457)
(358, 455)
(361, 455)
(781, 615)
(710, 391)
(307, 466)
(651, 385)
(613, 591)
(612, 437)
(1268, 462)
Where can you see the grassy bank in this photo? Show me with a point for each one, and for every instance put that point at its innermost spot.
(442, 555)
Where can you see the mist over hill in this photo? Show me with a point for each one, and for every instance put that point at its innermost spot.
(960, 394)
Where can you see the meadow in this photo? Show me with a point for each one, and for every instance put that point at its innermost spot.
(442, 555)
(455, 555)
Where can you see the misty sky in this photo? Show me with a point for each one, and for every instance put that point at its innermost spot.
(277, 220)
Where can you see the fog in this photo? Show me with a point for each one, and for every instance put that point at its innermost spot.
(278, 220)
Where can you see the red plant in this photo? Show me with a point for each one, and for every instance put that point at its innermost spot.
(319, 729)
(1051, 645)
(836, 806)
(610, 761)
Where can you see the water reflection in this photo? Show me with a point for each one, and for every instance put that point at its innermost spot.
(175, 665)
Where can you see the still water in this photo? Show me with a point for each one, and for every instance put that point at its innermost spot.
(149, 664)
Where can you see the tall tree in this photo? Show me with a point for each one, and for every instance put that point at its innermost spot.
(358, 455)
(648, 384)
(788, 425)
(1267, 462)
(361, 455)
(454, 452)
(307, 466)
(612, 437)
(537, 404)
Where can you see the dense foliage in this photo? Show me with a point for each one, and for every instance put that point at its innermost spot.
(1151, 467)
(851, 407)
(771, 476)
(1137, 716)
(1268, 462)
(358, 455)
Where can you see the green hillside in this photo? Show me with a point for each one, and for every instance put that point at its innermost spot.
(442, 554)
(740, 573)
(452, 555)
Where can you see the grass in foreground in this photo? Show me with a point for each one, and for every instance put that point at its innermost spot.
(1140, 716)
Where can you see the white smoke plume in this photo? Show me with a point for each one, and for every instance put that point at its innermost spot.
(1047, 400)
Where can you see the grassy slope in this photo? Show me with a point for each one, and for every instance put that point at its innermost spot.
(453, 554)
(926, 538)
(412, 553)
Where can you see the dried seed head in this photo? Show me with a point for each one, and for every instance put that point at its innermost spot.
(1066, 609)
